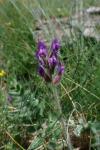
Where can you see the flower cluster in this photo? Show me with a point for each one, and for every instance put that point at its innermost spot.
(50, 66)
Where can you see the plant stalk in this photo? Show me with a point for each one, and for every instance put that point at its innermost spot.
(59, 108)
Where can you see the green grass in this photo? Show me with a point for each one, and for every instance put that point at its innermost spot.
(31, 119)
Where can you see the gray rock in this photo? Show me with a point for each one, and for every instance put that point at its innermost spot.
(93, 10)
(86, 22)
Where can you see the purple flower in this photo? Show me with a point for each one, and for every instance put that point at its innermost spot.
(41, 71)
(52, 61)
(60, 69)
(45, 75)
(49, 62)
(55, 46)
(42, 51)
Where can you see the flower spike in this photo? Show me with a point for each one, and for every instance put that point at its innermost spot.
(49, 62)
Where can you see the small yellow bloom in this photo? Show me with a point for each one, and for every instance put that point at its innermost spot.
(2, 73)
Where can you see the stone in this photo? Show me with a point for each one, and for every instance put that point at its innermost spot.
(93, 10)
(86, 22)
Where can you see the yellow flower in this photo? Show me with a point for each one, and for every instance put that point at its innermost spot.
(2, 73)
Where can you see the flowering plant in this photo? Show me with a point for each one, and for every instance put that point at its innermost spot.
(50, 67)
(51, 70)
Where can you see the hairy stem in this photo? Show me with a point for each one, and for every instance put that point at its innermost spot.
(59, 108)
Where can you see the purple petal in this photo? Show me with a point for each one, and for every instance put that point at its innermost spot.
(52, 61)
(42, 51)
(41, 71)
(55, 46)
(60, 69)
(43, 74)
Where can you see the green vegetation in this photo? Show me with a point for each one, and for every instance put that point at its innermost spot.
(29, 119)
